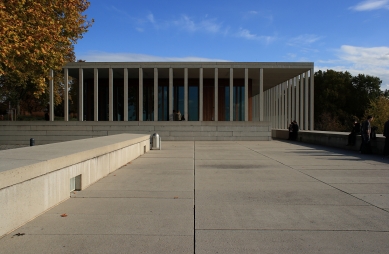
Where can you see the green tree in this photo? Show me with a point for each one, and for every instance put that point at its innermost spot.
(379, 109)
(366, 89)
(340, 98)
(332, 98)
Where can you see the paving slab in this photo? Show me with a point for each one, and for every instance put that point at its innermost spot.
(223, 197)
(290, 241)
(360, 188)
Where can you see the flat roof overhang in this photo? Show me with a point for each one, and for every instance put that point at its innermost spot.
(274, 73)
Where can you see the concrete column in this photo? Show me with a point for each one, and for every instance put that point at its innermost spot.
(110, 114)
(96, 94)
(266, 107)
(51, 107)
(66, 95)
(125, 99)
(297, 100)
(286, 102)
(306, 104)
(274, 106)
(246, 94)
(312, 100)
(231, 94)
(140, 111)
(216, 103)
(261, 98)
(293, 116)
(171, 116)
(80, 95)
(201, 94)
(155, 94)
(289, 119)
(270, 103)
(186, 102)
(265, 104)
(282, 107)
(301, 123)
(277, 112)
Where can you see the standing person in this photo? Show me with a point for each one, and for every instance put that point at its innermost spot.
(365, 134)
(386, 134)
(353, 135)
(178, 115)
(290, 128)
(295, 130)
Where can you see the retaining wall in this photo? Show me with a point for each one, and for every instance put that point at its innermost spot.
(332, 139)
(51, 132)
(34, 179)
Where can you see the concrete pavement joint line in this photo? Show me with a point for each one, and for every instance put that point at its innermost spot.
(126, 197)
(343, 191)
(101, 234)
(194, 197)
(293, 230)
(383, 209)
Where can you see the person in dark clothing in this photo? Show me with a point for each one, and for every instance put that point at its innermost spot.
(295, 130)
(365, 134)
(352, 137)
(290, 129)
(386, 134)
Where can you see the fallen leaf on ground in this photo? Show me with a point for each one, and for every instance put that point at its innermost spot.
(64, 215)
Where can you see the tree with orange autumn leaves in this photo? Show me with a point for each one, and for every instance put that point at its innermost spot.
(36, 36)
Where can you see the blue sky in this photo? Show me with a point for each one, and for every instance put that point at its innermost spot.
(340, 35)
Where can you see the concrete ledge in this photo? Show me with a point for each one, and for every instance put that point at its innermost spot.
(45, 132)
(34, 179)
(332, 139)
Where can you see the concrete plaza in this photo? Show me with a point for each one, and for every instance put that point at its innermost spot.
(223, 197)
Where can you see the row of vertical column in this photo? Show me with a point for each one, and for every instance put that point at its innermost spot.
(140, 101)
(291, 100)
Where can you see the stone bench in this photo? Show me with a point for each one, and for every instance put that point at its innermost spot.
(34, 179)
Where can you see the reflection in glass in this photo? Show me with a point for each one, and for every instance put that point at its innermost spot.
(163, 103)
(238, 102)
(193, 103)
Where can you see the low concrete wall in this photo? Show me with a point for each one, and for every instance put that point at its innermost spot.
(34, 179)
(51, 132)
(332, 139)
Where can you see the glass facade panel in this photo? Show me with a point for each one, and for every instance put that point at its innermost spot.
(133, 91)
(238, 101)
(118, 98)
(227, 103)
(148, 102)
(193, 103)
(163, 103)
(178, 99)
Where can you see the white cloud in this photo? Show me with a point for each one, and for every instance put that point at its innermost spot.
(369, 5)
(246, 34)
(207, 25)
(99, 56)
(150, 17)
(360, 56)
(304, 39)
(359, 60)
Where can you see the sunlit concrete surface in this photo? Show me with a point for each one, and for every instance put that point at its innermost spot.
(223, 197)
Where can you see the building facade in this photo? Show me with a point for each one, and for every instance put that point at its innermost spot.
(276, 93)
